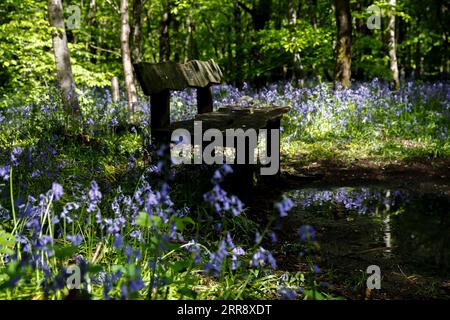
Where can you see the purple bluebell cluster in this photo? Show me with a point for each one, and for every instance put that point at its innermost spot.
(68, 219)
(262, 257)
(284, 206)
(219, 199)
(359, 200)
(57, 219)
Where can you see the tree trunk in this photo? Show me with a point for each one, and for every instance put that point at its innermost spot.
(114, 89)
(92, 24)
(136, 31)
(164, 38)
(126, 59)
(344, 42)
(297, 70)
(239, 51)
(191, 44)
(314, 13)
(62, 57)
(392, 47)
(176, 37)
(262, 14)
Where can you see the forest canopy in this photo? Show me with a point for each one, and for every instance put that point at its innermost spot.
(253, 41)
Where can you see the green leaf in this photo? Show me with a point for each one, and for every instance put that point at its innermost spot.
(144, 220)
(64, 252)
(7, 242)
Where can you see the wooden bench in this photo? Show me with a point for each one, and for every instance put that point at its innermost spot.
(158, 80)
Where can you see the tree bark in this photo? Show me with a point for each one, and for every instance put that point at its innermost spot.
(239, 51)
(164, 37)
(126, 60)
(176, 36)
(92, 24)
(260, 13)
(191, 44)
(314, 13)
(114, 89)
(297, 71)
(64, 74)
(344, 42)
(392, 47)
(136, 31)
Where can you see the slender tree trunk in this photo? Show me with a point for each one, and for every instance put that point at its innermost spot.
(126, 59)
(64, 74)
(314, 13)
(297, 71)
(114, 89)
(187, 44)
(442, 14)
(164, 37)
(136, 31)
(239, 55)
(260, 13)
(392, 47)
(176, 35)
(92, 25)
(192, 51)
(344, 42)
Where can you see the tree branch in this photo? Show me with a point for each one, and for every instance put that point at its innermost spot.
(105, 50)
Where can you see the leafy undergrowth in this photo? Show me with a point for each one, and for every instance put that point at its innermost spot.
(85, 196)
(86, 214)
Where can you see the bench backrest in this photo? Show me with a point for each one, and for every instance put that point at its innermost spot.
(158, 79)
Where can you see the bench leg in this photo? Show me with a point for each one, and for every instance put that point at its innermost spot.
(273, 125)
(242, 177)
(160, 119)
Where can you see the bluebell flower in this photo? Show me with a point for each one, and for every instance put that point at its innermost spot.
(4, 173)
(123, 292)
(75, 240)
(136, 284)
(57, 191)
(137, 234)
(306, 233)
(15, 154)
(230, 241)
(258, 238)
(217, 259)
(222, 203)
(287, 294)
(284, 206)
(273, 237)
(271, 260)
(118, 241)
(316, 268)
(259, 258)
(217, 177)
(94, 193)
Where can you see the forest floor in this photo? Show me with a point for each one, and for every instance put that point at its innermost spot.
(345, 251)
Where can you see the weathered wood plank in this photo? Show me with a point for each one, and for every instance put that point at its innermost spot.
(233, 118)
(157, 77)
